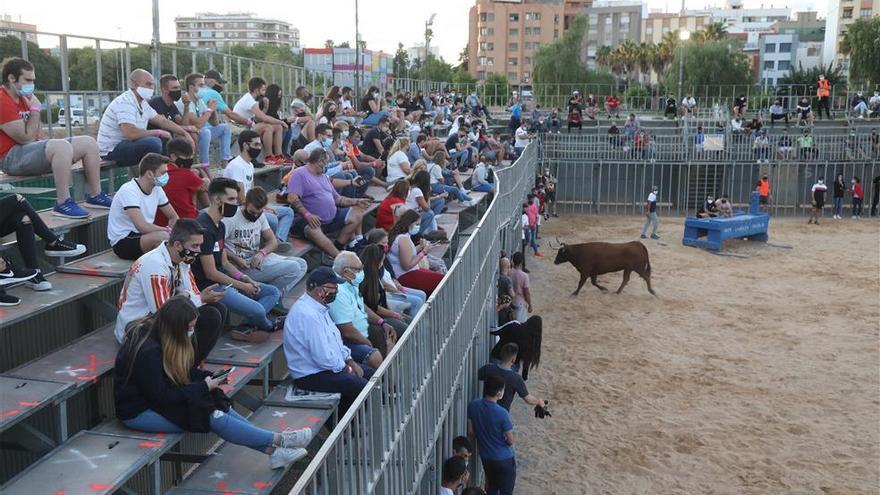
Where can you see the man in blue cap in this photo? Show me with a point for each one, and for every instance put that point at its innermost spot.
(317, 358)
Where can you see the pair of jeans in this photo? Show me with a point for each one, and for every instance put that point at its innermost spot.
(484, 187)
(348, 385)
(454, 192)
(128, 153)
(229, 426)
(353, 191)
(460, 158)
(373, 118)
(428, 222)
(651, 220)
(17, 215)
(253, 310)
(500, 476)
(838, 206)
(857, 207)
(210, 133)
(280, 221)
(411, 299)
(532, 238)
(281, 271)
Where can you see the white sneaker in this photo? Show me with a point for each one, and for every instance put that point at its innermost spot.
(854, 217)
(38, 283)
(284, 457)
(471, 203)
(291, 439)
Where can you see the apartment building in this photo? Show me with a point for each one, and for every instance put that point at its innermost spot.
(743, 21)
(10, 27)
(609, 23)
(658, 24)
(505, 34)
(209, 30)
(839, 20)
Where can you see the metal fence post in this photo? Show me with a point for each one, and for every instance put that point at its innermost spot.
(127, 64)
(174, 61)
(99, 68)
(238, 72)
(65, 86)
(24, 45)
(194, 62)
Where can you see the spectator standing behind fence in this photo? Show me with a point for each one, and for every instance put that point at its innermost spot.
(823, 93)
(130, 226)
(23, 152)
(764, 191)
(490, 425)
(513, 382)
(839, 192)
(158, 388)
(522, 295)
(651, 215)
(858, 195)
(515, 115)
(123, 136)
(817, 196)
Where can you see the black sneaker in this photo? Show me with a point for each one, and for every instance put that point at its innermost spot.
(9, 299)
(13, 276)
(38, 283)
(62, 248)
(279, 324)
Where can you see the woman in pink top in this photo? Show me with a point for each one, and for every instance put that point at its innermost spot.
(531, 211)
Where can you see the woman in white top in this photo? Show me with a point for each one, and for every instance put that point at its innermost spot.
(401, 299)
(405, 257)
(398, 163)
(418, 200)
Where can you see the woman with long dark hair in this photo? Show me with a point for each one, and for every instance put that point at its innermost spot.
(373, 258)
(407, 259)
(159, 388)
(420, 200)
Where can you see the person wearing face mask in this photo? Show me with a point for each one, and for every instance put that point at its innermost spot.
(130, 226)
(251, 246)
(371, 106)
(817, 193)
(407, 259)
(243, 295)
(187, 185)
(165, 104)
(123, 136)
(341, 171)
(317, 358)
(203, 115)
(23, 152)
(651, 219)
(490, 425)
(373, 292)
(270, 129)
(160, 388)
(165, 272)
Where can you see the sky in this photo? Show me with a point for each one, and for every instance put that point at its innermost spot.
(383, 23)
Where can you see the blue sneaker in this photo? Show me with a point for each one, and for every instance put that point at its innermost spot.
(100, 200)
(69, 209)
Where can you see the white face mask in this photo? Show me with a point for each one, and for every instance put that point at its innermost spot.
(145, 93)
(190, 333)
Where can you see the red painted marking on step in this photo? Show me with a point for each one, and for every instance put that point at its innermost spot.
(220, 485)
(27, 403)
(92, 362)
(262, 484)
(100, 487)
(151, 445)
(282, 424)
(59, 492)
(254, 360)
(313, 419)
(160, 435)
(11, 412)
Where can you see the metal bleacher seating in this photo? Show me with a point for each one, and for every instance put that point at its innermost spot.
(58, 347)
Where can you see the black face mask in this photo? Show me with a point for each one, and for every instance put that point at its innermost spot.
(184, 162)
(249, 217)
(218, 88)
(187, 256)
(331, 114)
(175, 95)
(329, 298)
(254, 152)
(229, 210)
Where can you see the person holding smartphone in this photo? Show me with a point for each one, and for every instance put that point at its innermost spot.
(158, 388)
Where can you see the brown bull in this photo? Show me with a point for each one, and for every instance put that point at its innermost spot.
(596, 258)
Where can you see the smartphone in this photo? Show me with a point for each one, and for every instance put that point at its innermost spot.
(224, 288)
(222, 373)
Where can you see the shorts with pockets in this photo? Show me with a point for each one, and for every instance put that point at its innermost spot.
(129, 247)
(333, 226)
(360, 353)
(27, 159)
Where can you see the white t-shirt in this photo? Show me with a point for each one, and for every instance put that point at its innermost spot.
(436, 172)
(522, 138)
(240, 171)
(394, 254)
(243, 236)
(412, 198)
(481, 174)
(122, 110)
(446, 491)
(395, 172)
(130, 195)
(524, 223)
(244, 106)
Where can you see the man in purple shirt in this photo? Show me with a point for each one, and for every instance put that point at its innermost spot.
(321, 210)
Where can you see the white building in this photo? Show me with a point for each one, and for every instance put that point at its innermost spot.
(750, 22)
(209, 30)
(417, 52)
(11, 27)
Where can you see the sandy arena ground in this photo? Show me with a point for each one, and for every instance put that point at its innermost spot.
(758, 375)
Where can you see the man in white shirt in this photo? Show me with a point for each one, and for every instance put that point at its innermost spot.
(241, 170)
(130, 226)
(250, 245)
(522, 138)
(203, 115)
(455, 474)
(163, 273)
(123, 136)
(688, 105)
(316, 357)
(270, 129)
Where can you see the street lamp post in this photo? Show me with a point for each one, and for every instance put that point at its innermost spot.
(683, 36)
(357, 53)
(428, 24)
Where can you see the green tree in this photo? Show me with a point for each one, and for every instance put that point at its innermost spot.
(400, 64)
(862, 42)
(495, 90)
(802, 82)
(436, 69)
(716, 31)
(46, 67)
(463, 59)
(713, 63)
(461, 77)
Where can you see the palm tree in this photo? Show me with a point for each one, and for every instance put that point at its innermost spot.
(715, 31)
(645, 55)
(603, 56)
(628, 51)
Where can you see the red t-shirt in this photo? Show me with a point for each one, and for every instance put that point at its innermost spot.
(532, 213)
(11, 110)
(385, 213)
(181, 189)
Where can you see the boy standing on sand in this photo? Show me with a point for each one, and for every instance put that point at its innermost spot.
(818, 196)
(490, 424)
(651, 215)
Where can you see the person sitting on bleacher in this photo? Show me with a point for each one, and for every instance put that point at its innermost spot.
(17, 215)
(427, 206)
(270, 129)
(784, 146)
(363, 331)
(378, 139)
(130, 226)
(251, 246)
(244, 296)
(401, 299)
(241, 170)
(123, 136)
(408, 261)
(321, 210)
(806, 148)
(348, 138)
(11, 275)
(709, 208)
(397, 196)
(159, 388)
(374, 296)
(165, 104)
(316, 357)
(480, 179)
(458, 146)
(398, 160)
(441, 175)
(187, 186)
(22, 152)
(342, 173)
(688, 106)
(165, 272)
(804, 112)
(203, 115)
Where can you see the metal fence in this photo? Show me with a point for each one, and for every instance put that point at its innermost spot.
(594, 182)
(395, 436)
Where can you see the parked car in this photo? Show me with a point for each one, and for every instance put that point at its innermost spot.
(79, 117)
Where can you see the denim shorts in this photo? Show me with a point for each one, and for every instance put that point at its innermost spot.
(361, 352)
(27, 159)
(331, 227)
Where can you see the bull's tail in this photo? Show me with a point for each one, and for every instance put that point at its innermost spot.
(647, 261)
